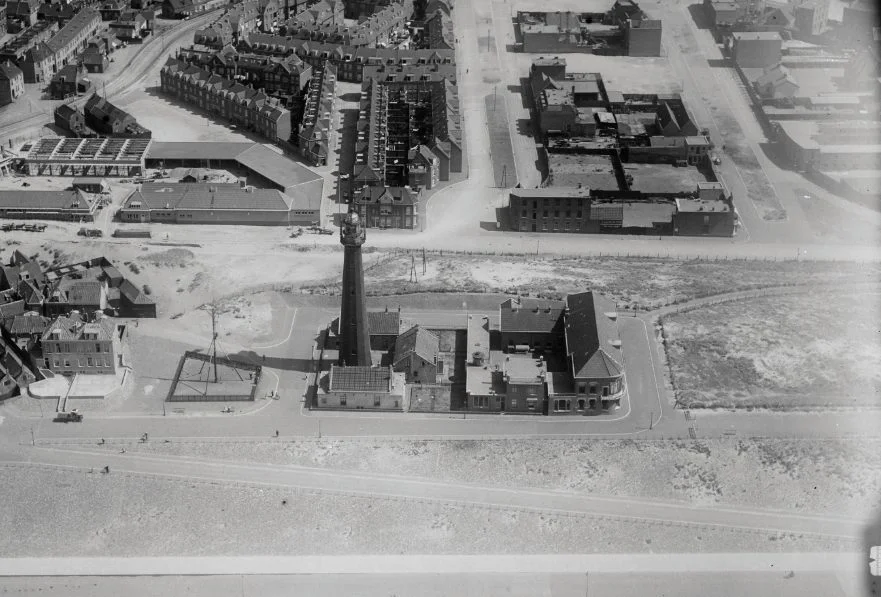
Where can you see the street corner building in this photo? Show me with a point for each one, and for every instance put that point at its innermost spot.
(72, 345)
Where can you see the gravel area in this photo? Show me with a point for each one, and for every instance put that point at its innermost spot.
(776, 474)
(64, 512)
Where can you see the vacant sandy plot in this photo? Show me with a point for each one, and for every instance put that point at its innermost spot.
(129, 515)
(776, 474)
(818, 349)
(630, 281)
(176, 122)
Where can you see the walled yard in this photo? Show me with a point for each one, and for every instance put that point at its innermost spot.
(814, 350)
(186, 517)
(766, 474)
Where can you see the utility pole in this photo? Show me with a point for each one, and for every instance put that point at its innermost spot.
(504, 176)
(33, 439)
(495, 93)
(423, 261)
(413, 277)
(652, 420)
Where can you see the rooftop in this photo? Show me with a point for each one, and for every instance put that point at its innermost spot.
(522, 314)
(360, 379)
(592, 336)
(664, 178)
(524, 368)
(595, 171)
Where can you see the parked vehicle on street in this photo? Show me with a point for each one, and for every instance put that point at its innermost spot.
(73, 416)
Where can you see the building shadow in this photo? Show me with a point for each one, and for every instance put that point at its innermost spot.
(773, 152)
(720, 62)
(502, 222)
(250, 356)
(347, 137)
(699, 16)
(351, 97)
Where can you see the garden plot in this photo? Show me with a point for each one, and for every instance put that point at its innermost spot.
(812, 350)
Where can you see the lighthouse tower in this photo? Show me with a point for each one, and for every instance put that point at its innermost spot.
(353, 333)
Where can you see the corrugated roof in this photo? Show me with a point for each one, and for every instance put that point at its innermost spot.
(360, 379)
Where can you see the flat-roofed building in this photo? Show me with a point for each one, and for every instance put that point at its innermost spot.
(756, 49)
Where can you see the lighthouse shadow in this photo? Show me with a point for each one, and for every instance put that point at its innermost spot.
(250, 356)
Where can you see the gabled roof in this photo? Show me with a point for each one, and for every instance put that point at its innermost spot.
(592, 336)
(417, 340)
(360, 379)
(9, 71)
(23, 325)
(383, 323)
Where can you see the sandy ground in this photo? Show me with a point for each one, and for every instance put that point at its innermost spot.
(775, 474)
(128, 515)
(818, 349)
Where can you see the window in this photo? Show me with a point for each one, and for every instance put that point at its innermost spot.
(581, 388)
(513, 403)
(581, 404)
(56, 363)
(89, 361)
(578, 214)
(556, 213)
(562, 405)
(481, 402)
(97, 348)
(544, 213)
(67, 362)
(593, 388)
(530, 403)
(342, 400)
(605, 390)
(544, 227)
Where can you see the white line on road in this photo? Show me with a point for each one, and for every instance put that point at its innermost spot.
(288, 337)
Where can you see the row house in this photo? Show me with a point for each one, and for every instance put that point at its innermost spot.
(318, 14)
(282, 77)
(214, 36)
(3, 26)
(181, 9)
(16, 49)
(369, 31)
(314, 130)
(226, 98)
(67, 44)
(350, 61)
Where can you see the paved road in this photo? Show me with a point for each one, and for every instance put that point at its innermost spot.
(144, 65)
(394, 487)
(527, 578)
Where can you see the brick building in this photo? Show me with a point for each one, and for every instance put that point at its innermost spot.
(387, 207)
(72, 345)
(11, 83)
(108, 120)
(314, 129)
(351, 62)
(756, 49)
(232, 100)
(283, 77)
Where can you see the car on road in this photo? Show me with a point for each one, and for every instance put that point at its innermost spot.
(717, 160)
(74, 416)
(90, 233)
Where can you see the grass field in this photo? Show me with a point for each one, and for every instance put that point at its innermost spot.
(129, 515)
(818, 349)
(775, 474)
